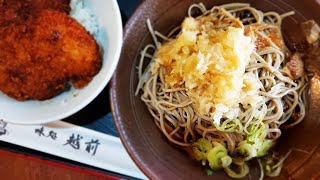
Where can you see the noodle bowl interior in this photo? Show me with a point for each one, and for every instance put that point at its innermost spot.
(224, 87)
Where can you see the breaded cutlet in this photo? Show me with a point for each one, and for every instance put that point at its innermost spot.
(41, 56)
(18, 11)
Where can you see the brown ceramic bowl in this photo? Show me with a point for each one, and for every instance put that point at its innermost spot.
(150, 150)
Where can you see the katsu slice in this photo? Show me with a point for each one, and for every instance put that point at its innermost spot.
(18, 11)
(58, 5)
(40, 58)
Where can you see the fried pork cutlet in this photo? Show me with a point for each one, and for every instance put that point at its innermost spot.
(18, 11)
(40, 58)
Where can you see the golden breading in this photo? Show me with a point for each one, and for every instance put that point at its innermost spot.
(18, 11)
(39, 58)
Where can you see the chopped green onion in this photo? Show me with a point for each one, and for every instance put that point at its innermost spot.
(226, 161)
(238, 161)
(218, 157)
(243, 171)
(266, 145)
(201, 148)
(257, 138)
(209, 172)
(230, 126)
(258, 134)
(247, 150)
(268, 168)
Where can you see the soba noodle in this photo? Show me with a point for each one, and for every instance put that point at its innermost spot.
(173, 111)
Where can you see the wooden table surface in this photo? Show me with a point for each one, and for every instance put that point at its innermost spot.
(20, 167)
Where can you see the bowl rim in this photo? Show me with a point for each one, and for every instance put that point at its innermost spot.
(114, 108)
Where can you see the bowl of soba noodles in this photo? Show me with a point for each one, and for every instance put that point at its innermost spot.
(221, 89)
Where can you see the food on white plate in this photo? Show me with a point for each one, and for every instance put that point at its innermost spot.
(44, 50)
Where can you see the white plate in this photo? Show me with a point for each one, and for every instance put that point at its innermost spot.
(70, 102)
